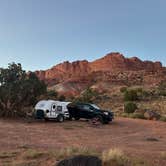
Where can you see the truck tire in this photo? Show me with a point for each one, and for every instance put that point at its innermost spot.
(70, 117)
(100, 119)
(60, 118)
(106, 122)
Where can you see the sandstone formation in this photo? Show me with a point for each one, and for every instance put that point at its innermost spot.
(114, 68)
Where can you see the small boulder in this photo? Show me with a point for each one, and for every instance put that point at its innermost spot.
(152, 139)
(151, 115)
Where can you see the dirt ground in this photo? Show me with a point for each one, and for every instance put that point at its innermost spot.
(134, 136)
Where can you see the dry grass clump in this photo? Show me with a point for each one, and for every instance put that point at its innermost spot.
(33, 154)
(4, 155)
(163, 118)
(138, 162)
(25, 163)
(163, 155)
(114, 157)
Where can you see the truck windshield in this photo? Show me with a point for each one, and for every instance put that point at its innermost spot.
(95, 106)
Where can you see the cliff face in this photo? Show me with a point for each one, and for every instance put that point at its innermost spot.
(113, 68)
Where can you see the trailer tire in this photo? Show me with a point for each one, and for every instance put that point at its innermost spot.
(70, 117)
(76, 118)
(60, 118)
(46, 119)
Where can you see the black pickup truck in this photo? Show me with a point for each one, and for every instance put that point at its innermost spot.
(89, 111)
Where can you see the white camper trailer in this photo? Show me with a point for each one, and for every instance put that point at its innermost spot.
(51, 109)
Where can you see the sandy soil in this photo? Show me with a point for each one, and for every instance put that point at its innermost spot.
(130, 135)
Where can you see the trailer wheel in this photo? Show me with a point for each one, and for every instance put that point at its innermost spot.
(46, 119)
(60, 118)
(76, 118)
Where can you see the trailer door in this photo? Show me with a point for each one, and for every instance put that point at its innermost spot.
(53, 111)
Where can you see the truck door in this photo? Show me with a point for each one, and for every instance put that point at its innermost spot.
(86, 112)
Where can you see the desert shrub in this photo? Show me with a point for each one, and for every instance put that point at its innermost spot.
(114, 157)
(52, 94)
(162, 88)
(138, 162)
(130, 107)
(4, 155)
(18, 90)
(123, 89)
(87, 96)
(130, 95)
(137, 116)
(62, 98)
(33, 154)
(163, 118)
(139, 90)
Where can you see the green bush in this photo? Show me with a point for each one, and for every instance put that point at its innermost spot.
(163, 118)
(123, 89)
(162, 89)
(130, 95)
(130, 107)
(139, 90)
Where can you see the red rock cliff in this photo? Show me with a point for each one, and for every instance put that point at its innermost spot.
(112, 62)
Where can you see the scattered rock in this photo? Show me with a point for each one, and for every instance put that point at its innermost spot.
(151, 115)
(152, 139)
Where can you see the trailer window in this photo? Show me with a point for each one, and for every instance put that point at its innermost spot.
(59, 108)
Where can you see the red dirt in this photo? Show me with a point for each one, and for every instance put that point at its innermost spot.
(130, 135)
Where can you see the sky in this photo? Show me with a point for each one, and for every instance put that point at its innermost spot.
(41, 33)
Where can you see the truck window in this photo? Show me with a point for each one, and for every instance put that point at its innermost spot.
(86, 107)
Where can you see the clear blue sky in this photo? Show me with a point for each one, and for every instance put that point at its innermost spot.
(41, 33)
